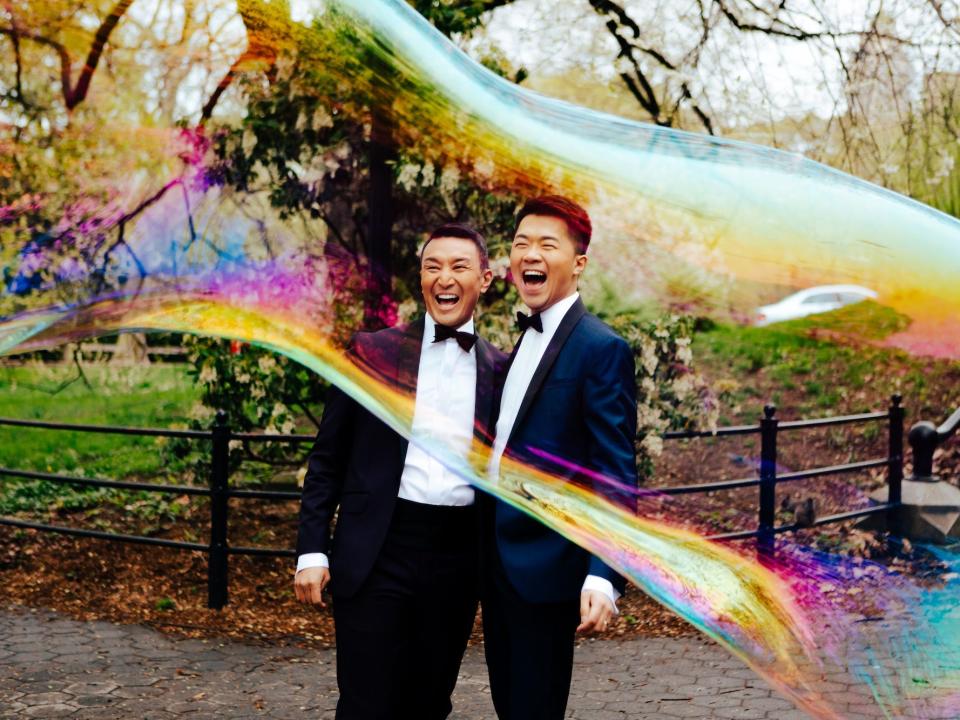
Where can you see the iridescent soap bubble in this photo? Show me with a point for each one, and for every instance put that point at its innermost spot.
(664, 202)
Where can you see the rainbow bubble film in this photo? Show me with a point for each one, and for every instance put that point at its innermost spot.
(201, 256)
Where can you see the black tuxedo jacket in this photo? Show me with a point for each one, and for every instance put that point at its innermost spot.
(581, 407)
(357, 460)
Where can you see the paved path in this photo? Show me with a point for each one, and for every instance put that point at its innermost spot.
(51, 666)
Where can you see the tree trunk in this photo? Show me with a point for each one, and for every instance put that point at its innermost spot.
(131, 349)
(378, 301)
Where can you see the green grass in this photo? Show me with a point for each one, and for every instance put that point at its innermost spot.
(815, 364)
(867, 320)
(823, 364)
(151, 396)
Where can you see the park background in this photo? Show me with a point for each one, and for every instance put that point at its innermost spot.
(867, 87)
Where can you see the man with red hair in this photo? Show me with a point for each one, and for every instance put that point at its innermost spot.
(569, 408)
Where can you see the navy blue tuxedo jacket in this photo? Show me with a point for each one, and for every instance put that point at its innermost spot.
(357, 460)
(581, 406)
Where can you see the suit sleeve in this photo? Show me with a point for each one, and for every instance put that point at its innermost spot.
(610, 414)
(326, 473)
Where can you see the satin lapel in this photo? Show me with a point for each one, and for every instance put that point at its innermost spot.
(483, 405)
(566, 326)
(408, 369)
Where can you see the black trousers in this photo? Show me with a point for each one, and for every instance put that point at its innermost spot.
(401, 637)
(529, 648)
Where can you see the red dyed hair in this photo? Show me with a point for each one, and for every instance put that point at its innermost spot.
(575, 217)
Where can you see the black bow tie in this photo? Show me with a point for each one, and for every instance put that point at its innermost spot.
(529, 322)
(464, 339)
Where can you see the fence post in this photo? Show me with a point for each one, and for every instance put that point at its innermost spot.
(923, 439)
(217, 562)
(895, 470)
(768, 479)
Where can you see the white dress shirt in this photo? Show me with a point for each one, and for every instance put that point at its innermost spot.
(443, 415)
(521, 372)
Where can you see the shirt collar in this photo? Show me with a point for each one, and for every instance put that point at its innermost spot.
(552, 316)
(430, 328)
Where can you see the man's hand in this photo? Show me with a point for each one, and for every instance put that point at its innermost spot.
(596, 611)
(309, 583)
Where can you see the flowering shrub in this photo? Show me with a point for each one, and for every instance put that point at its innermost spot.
(671, 395)
(321, 166)
(259, 390)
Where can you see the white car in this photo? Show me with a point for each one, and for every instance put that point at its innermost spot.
(822, 298)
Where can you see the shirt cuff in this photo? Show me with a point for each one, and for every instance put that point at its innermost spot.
(602, 585)
(310, 560)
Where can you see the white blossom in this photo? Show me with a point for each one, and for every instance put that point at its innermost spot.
(683, 385)
(407, 178)
(648, 416)
(500, 267)
(449, 180)
(249, 141)
(321, 118)
(201, 412)
(267, 363)
(428, 175)
(208, 375)
(648, 357)
(284, 66)
(653, 445)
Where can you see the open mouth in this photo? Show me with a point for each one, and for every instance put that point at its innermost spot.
(534, 278)
(447, 299)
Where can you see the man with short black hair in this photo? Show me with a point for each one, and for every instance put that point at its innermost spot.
(402, 562)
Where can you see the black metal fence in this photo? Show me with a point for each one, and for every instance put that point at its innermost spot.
(769, 429)
(219, 491)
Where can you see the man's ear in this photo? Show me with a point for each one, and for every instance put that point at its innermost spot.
(579, 264)
(487, 276)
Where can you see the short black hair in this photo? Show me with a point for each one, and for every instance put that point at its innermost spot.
(460, 230)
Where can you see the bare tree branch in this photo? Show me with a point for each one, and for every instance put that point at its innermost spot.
(73, 95)
(264, 38)
(637, 81)
(18, 59)
(949, 24)
(65, 61)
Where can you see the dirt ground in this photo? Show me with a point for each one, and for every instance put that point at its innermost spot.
(166, 588)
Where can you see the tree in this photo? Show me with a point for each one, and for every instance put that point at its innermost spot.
(860, 101)
(267, 127)
(73, 92)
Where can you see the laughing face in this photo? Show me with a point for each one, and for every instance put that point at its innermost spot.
(452, 279)
(544, 261)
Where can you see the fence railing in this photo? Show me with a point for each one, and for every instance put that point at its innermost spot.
(105, 349)
(769, 429)
(219, 550)
(219, 491)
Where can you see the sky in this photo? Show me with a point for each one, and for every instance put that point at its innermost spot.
(746, 76)
(742, 79)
